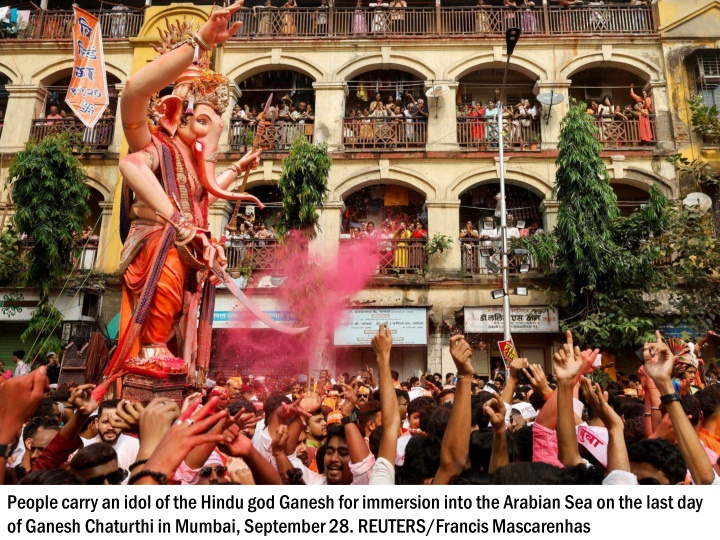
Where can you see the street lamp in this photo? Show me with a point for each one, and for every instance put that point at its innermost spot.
(512, 35)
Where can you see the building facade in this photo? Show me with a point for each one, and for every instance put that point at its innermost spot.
(440, 168)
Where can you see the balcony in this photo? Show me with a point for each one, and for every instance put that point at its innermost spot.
(616, 132)
(255, 255)
(396, 256)
(484, 257)
(278, 137)
(383, 133)
(602, 19)
(83, 139)
(58, 24)
(382, 22)
(475, 133)
(83, 263)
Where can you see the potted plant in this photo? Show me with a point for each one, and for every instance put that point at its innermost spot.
(533, 139)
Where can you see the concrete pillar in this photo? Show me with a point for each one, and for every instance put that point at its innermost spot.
(327, 242)
(550, 132)
(105, 217)
(118, 132)
(329, 113)
(663, 117)
(550, 209)
(442, 119)
(437, 342)
(218, 216)
(22, 107)
(235, 93)
(444, 218)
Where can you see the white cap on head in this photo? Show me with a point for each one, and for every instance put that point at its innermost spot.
(51, 353)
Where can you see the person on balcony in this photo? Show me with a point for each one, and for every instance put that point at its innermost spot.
(54, 114)
(367, 133)
(288, 18)
(419, 232)
(401, 250)
(321, 18)
(379, 21)
(644, 109)
(375, 104)
(397, 16)
(410, 113)
(491, 131)
(469, 231)
(482, 20)
(265, 23)
(476, 122)
(359, 24)
(605, 112)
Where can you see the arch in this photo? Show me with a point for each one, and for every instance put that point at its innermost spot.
(265, 63)
(636, 65)
(398, 61)
(98, 186)
(10, 73)
(643, 179)
(49, 74)
(149, 28)
(513, 176)
(487, 61)
(376, 175)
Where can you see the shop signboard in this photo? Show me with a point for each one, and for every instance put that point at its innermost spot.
(359, 326)
(523, 320)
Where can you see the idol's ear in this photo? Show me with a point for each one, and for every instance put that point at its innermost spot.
(170, 107)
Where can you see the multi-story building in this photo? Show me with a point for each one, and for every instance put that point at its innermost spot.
(440, 168)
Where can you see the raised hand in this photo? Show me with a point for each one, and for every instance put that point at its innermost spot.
(279, 441)
(286, 412)
(127, 416)
(537, 378)
(461, 353)
(183, 435)
(516, 365)
(82, 400)
(217, 30)
(192, 398)
(568, 361)
(598, 401)
(348, 405)
(659, 361)
(382, 342)
(244, 420)
(19, 397)
(251, 159)
(236, 444)
(155, 420)
(494, 409)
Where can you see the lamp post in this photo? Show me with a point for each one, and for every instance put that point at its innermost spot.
(512, 35)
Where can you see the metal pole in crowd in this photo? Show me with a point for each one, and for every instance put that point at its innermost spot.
(511, 38)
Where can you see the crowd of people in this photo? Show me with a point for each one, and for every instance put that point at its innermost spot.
(661, 426)
(478, 123)
(606, 114)
(394, 240)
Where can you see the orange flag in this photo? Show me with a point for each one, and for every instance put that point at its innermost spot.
(88, 94)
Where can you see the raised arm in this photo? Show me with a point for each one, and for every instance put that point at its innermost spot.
(382, 344)
(456, 441)
(156, 75)
(659, 362)
(617, 451)
(568, 365)
(238, 445)
(495, 410)
(513, 378)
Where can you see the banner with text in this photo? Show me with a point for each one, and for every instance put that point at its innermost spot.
(523, 320)
(359, 326)
(87, 94)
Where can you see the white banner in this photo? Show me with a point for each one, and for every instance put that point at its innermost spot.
(230, 313)
(408, 326)
(523, 320)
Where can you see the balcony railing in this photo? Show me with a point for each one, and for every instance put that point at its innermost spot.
(625, 133)
(383, 133)
(58, 24)
(83, 139)
(382, 21)
(484, 257)
(478, 133)
(489, 20)
(84, 262)
(278, 137)
(395, 256)
(254, 254)
(602, 19)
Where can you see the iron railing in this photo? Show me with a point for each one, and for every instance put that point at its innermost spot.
(382, 21)
(83, 139)
(85, 260)
(254, 255)
(383, 133)
(484, 257)
(616, 132)
(395, 256)
(58, 24)
(480, 133)
(277, 137)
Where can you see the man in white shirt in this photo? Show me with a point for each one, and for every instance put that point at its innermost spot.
(126, 447)
(21, 368)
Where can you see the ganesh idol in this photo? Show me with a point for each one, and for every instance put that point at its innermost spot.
(170, 263)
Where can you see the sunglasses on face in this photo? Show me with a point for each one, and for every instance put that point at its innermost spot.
(363, 396)
(207, 471)
(115, 478)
